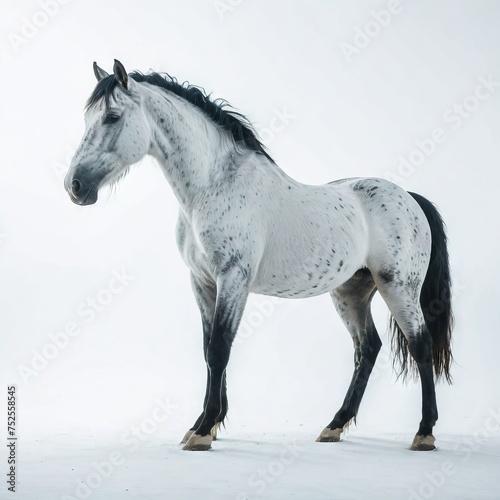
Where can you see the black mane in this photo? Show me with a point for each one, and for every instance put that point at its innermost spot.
(218, 110)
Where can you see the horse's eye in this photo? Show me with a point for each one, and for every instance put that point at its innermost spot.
(111, 118)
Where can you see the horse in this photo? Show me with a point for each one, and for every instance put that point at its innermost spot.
(246, 227)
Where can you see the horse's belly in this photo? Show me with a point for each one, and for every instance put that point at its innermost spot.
(303, 281)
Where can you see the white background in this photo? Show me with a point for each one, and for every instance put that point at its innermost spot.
(351, 115)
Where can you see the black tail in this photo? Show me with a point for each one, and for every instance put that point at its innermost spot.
(435, 299)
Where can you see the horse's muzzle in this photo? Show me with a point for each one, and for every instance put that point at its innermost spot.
(81, 193)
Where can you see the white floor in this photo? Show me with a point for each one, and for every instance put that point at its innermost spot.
(247, 464)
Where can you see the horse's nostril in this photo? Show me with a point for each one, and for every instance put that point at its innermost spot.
(76, 186)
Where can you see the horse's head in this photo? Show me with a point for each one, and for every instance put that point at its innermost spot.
(117, 135)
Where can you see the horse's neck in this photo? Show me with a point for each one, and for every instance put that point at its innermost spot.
(198, 158)
(190, 149)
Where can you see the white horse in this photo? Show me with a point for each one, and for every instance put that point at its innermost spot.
(245, 226)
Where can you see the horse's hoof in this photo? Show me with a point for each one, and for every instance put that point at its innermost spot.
(198, 443)
(186, 437)
(423, 443)
(329, 435)
(213, 433)
(215, 430)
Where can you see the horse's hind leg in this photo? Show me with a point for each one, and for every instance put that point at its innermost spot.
(413, 337)
(352, 301)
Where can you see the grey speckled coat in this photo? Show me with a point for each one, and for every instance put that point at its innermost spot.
(245, 226)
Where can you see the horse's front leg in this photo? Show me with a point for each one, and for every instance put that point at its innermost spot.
(206, 295)
(232, 293)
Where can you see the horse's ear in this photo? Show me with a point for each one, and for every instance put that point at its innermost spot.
(99, 72)
(120, 73)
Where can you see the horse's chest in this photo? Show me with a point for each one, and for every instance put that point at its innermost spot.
(191, 250)
(207, 247)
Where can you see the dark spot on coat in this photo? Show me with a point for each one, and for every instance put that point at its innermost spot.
(386, 275)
